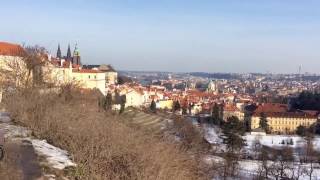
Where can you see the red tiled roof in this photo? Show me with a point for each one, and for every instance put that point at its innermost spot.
(230, 107)
(311, 112)
(154, 97)
(9, 49)
(271, 107)
(66, 64)
(288, 115)
(86, 71)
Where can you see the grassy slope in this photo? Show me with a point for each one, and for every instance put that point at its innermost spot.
(103, 146)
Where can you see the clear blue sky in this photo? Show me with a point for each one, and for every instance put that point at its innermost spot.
(173, 35)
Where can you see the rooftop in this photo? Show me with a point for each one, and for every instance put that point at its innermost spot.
(103, 67)
(271, 107)
(86, 71)
(9, 49)
(289, 115)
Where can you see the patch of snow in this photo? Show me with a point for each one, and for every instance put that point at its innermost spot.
(56, 157)
(211, 159)
(211, 134)
(273, 140)
(276, 141)
(250, 167)
(50, 176)
(316, 143)
(12, 131)
(4, 117)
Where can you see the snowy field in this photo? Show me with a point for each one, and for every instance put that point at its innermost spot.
(213, 135)
(276, 141)
(249, 168)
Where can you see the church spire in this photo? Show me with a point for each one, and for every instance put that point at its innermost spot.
(76, 56)
(59, 52)
(69, 53)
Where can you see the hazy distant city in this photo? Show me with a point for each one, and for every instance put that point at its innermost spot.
(160, 90)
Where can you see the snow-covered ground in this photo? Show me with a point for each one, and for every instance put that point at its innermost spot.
(251, 167)
(248, 168)
(213, 135)
(276, 141)
(12, 131)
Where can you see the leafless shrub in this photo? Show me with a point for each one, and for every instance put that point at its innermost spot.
(102, 146)
(282, 163)
(190, 137)
(24, 69)
(311, 156)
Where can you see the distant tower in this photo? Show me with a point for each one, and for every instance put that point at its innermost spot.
(59, 52)
(76, 56)
(300, 75)
(299, 70)
(212, 86)
(69, 58)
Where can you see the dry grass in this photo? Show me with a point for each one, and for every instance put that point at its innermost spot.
(101, 145)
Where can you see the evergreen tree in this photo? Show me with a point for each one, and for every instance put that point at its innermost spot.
(233, 124)
(317, 128)
(184, 110)
(122, 103)
(221, 109)
(264, 122)
(233, 141)
(176, 106)
(216, 114)
(290, 141)
(153, 106)
(101, 102)
(306, 101)
(190, 108)
(233, 130)
(108, 102)
(301, 130)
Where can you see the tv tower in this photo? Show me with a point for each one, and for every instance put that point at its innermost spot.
(299, 72)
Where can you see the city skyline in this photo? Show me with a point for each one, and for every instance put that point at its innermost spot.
(178, 36)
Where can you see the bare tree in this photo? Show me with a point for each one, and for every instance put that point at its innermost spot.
(265, 166)
(230, 165)
(282, 163)
(310, 157)
(257, 148)
(24, 69)
(296, 171)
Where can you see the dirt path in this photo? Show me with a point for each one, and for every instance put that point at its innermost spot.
(29, 163)
(27, 157)
(21, 157)
(20, 161)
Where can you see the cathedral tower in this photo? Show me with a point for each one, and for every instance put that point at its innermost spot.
(69, 58)
(59, 52)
